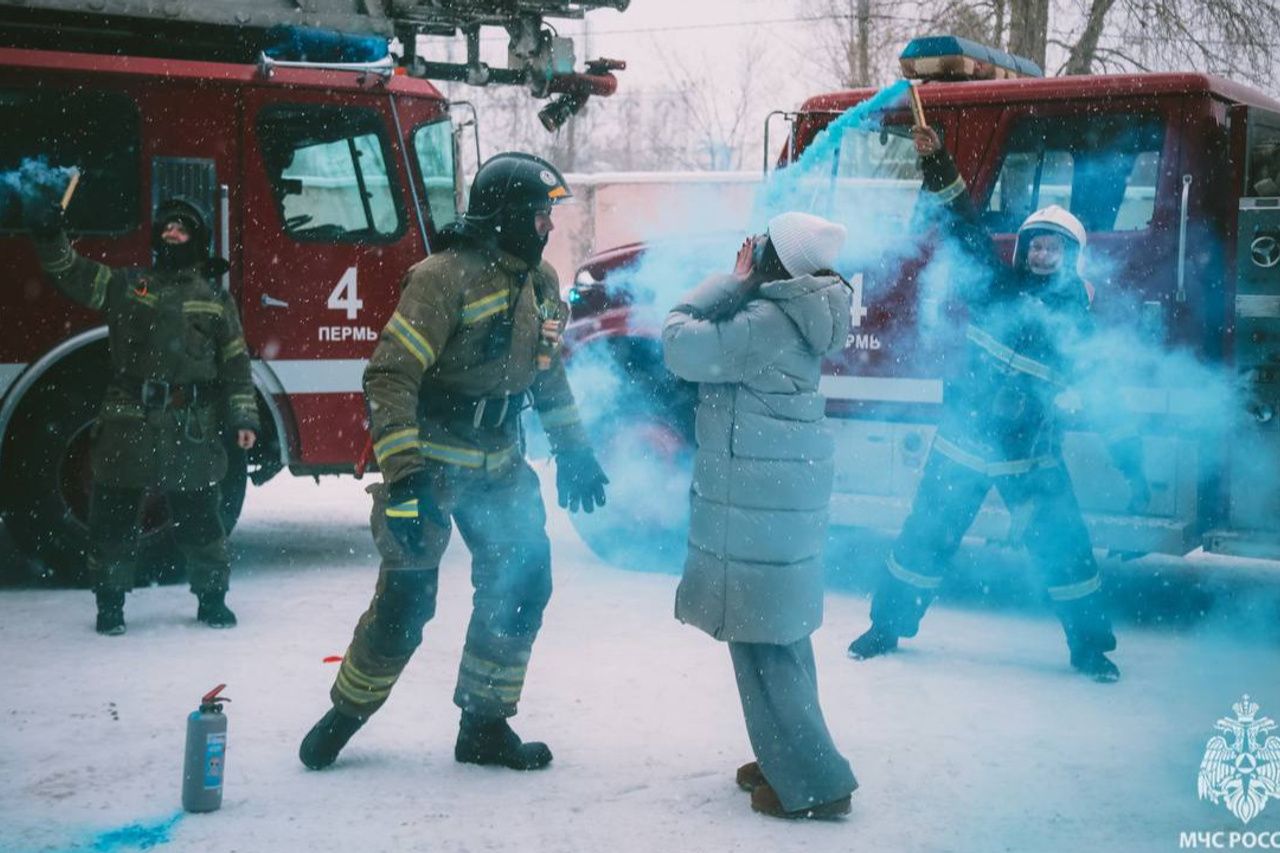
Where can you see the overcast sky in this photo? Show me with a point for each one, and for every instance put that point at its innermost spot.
(710, 40)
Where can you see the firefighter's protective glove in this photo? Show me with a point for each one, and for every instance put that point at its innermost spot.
(45, 221)
(409, 507)
(579, 480)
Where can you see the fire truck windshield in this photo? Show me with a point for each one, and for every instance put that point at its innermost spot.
(433, 145)
(873, 174)
(1103, 168)
(329, 172)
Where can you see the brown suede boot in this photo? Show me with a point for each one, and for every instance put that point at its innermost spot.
(749, 777)
(765, 800)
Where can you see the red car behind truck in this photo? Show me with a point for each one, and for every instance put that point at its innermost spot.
(1173, 176)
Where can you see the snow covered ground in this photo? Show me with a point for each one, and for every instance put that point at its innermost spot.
(977, 737)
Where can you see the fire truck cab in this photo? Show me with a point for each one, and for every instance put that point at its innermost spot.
(315, 180)
(1175, 177)
(325, 169)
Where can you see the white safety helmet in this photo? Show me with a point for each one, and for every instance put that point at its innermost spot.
(1060, 221)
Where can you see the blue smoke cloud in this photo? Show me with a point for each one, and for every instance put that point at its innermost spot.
(864, 174)
(33, 182)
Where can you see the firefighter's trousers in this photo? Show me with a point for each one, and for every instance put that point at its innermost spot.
(502, 521)
(1046, 520)
(114, 529)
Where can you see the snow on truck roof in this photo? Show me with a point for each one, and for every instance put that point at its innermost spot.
(1032, 89)
(237, 74)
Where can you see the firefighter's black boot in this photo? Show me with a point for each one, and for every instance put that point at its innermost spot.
(213, 610)
(1096, 665)
(489, 740)
(326, 739)
(1089, 637)
(875, 642)
(110, 612)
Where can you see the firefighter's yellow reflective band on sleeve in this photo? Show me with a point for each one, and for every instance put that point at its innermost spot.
(199, 306)
(1018, 362)
(411, 339)
(951, 191)
(474, 312)
(1003, 468)
(1072, 592)
(98, 291)
(563, 416)
(234, 349)
(396, 442)
(243, 401)
(408, 509)
(911, 578)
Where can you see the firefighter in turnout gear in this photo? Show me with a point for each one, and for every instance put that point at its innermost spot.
(179, 377)
(474, 337)
(1026, 345)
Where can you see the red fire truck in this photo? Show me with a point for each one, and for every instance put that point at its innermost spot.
(326, 177)
(1175, 178)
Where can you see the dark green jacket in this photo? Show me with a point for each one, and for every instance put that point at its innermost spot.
(171, 326)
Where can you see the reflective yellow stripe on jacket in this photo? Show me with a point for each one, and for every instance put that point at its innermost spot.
(412, 340)
(474, 312)
(396, 442)
(468, 457)
(1015, 361)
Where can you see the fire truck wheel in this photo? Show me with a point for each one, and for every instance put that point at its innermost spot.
(648, 459)
(44, 477)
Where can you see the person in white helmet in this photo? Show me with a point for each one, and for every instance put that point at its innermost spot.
(754, 341)
(1002, 428)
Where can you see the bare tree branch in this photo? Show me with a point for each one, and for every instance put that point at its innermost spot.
(1230, 37)
(1082, 53)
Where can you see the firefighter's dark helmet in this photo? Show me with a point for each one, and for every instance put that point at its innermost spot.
(181, 210)
(511, 182)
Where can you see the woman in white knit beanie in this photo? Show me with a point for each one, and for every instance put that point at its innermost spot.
(754, 340)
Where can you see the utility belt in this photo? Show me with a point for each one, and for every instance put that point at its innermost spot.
(158, 394)
(479, 412)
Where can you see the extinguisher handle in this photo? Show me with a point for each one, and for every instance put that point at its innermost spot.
(212, 696)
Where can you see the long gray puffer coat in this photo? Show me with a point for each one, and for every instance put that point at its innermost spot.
(763, 472)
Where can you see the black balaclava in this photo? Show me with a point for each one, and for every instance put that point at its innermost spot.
(517, 234)
(176, 256)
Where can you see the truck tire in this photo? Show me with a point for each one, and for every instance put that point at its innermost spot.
(44, 475)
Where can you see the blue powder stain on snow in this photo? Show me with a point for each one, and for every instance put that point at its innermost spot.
(135, 836)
